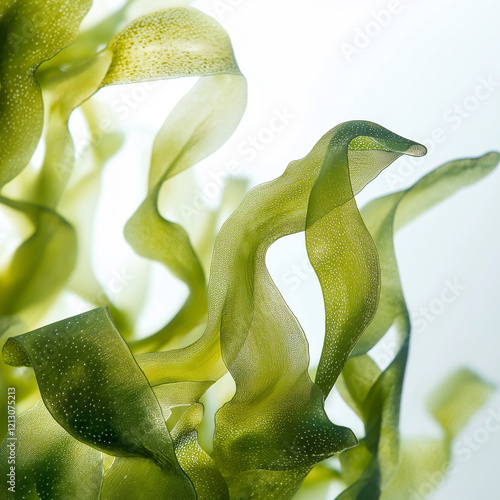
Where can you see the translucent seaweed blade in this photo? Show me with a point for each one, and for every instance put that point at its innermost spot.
(201, 469)
(267, 213)
(176, 42)
(424, 463)
(49, 252)
(49, 463)
(456, 400)
(29, 34)
(61, 99)
(339, 246)
(376, 395)
(179, 42)
(276, 420)
(80, 364)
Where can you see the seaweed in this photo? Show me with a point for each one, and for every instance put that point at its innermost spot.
(112, 415)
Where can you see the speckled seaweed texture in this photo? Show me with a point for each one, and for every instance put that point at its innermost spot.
(30, 32)
(112, 415)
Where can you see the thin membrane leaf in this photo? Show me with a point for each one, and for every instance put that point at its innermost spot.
(198, 465)
(31, 31)
(165, 44)
(81, 364)
(424, 463)
(42, 264)
(276, 420)
(85, 46)
(61, 99)
(202, 121)
(267, 213)
(24, 383)
(374, 394)
(339, 246)
(49, 462)
(195, 129)
(457, 399)
(141, 479)
(177, 42)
